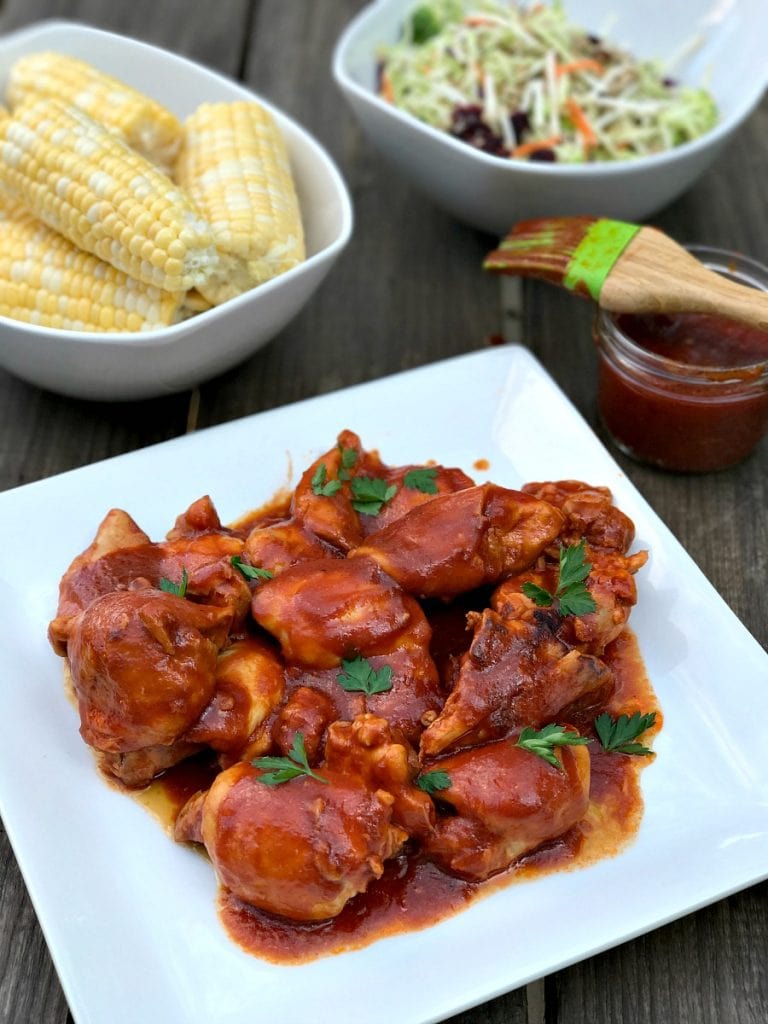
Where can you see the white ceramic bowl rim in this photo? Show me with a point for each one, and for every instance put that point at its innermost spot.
(598, 169)
(168, 335)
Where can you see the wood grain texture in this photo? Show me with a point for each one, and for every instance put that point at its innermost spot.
(408, 291)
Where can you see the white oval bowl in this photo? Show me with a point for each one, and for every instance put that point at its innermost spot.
(492, 193)
(119, 366)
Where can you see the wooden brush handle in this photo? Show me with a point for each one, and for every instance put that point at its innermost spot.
(656, 275)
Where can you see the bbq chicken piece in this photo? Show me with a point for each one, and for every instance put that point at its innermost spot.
(203, 560)
(301, 849)
(507, 801)
(441, 480)
(249, 684)
(457, 542)
(367, 747)
(328, 609)
(136, 768)
(318, 696)
(589, 513)
(610, 583)
(143, 667)
(200, 517)
(330, 516)
(309, 710)
(117, 530)
(516, 672)
(280, 545)
(333, 517)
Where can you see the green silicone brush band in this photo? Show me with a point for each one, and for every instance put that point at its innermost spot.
(595, 255)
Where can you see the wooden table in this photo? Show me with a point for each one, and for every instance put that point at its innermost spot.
(409, 291)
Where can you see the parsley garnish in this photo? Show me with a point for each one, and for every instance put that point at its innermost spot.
(251, 572)
(571, 595)
(543, 742)
(179, 589)
(619, 735)
(423, 480)
(321, 485)
(348, 460)
(283, 769)
(433, 782)
(370, 493)
(359, 674)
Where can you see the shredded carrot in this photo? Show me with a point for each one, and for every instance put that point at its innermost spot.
(387, 92)
(581, 123)
(585, 64)
(526, 148)
(476, 20)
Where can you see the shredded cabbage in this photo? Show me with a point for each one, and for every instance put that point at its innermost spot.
(525, 83)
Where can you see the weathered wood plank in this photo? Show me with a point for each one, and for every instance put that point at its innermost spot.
(211, 33)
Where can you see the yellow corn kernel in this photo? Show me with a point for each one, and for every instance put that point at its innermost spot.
(139, 120)
(95, 190)
(46, 280)
(234, 164)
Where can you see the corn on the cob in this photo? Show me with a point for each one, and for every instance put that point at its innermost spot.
(142, 122)
(104, 197)
(234, 164)
(46, 280)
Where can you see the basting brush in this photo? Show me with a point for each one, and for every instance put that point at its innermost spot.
(625, 268)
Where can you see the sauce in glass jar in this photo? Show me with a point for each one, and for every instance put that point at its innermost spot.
(685, 391)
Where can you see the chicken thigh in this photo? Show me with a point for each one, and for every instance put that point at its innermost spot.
(506, 802)
(458, 542)
(301, 849)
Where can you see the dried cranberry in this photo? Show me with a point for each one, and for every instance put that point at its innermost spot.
(467, 124)
(520, 125)
(543, 156)
(670, 83)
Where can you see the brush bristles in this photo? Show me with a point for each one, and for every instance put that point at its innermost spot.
(541, 248)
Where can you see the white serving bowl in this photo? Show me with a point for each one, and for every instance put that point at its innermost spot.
(491, 193)
(150, 363)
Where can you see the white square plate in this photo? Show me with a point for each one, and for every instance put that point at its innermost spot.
(119, 902)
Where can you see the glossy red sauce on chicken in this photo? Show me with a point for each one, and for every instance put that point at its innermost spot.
(370, 703)
(413, 892)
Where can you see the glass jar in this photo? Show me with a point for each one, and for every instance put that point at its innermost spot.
(669, 393)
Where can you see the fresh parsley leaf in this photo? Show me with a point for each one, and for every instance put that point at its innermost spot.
(537, 594)
(424, 24)
(321, 485)
(423, 479)
(573, 566)
(619, 735)
(576, 601)
(348, 460)
(543, 742)
(283, 769)
(572, 596)
(179, 589)
(251, 572)
(433, 782)
(359, 674)
(370, 493)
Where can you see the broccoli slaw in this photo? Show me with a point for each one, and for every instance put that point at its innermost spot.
(527, 84)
